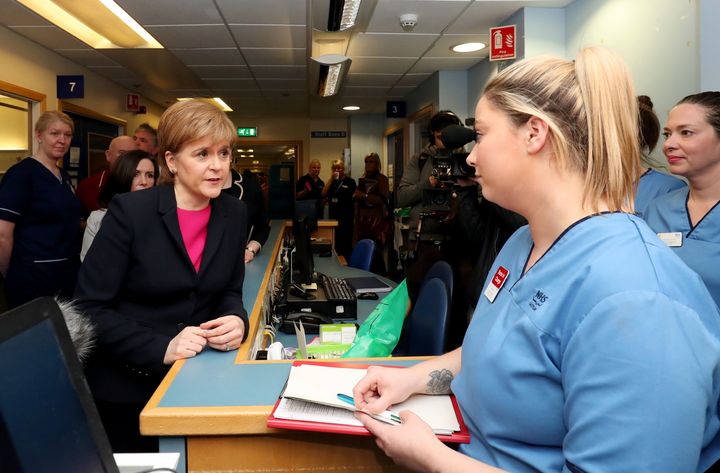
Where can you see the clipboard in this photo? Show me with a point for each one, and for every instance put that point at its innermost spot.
(460, 436)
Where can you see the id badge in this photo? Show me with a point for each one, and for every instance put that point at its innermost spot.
(671, 239)
(334, 200)
(496, 283)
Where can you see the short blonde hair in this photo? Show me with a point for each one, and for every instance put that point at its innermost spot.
(50, 117)
(590, 107)
(190, 120)
(337, 162)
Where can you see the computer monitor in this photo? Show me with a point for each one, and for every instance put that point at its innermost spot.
(309, 210)
(303, 263)
(48, 420)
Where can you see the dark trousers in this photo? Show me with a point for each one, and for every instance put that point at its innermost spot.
(122, 425)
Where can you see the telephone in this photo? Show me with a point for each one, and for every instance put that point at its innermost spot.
(310, 320)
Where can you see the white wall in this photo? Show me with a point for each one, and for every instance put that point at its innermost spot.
(544, 31)
(366, 136)
(709, 45)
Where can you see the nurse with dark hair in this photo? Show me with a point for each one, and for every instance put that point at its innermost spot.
(651, 183)
(688, 219)
(40, 218)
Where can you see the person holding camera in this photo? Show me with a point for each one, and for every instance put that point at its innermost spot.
(418, 182)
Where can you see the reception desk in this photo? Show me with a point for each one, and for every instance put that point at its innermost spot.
(213, 408)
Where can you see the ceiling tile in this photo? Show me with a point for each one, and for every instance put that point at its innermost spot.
(275, 57)
(413, 80)
(279, 72)
(14, 14)
(378, 65)
(209, 56)
(390, 45)
(88, 57)
(372, 80)
(189, 36)
(269, 36)
(222, 84)
(51, 37)
(433, 16)
(442, 47)
(349, 91)
(284, 84)
(429, 65)
(263, 12)
(168, 12)
(221, 72)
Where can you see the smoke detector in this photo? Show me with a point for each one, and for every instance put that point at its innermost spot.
(408, 21)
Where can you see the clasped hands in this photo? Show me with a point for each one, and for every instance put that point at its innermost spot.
(223, 333)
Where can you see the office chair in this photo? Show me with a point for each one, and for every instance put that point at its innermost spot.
(426, 327)
(362, 254)
(442, 271)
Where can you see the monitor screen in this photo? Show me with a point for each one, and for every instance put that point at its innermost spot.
(309, 210)
(48, 421)
(303, 264)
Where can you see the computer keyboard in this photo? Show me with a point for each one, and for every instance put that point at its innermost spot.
(336, 289)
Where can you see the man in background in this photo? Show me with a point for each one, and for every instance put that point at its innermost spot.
(89, 188)
(145, 138)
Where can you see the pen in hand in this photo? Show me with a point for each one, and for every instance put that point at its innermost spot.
(385, 416)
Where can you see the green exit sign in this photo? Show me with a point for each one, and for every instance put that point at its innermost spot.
(247, 131)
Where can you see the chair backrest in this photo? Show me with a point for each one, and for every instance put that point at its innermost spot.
(428, 323)
(362, 254)
(442, 271)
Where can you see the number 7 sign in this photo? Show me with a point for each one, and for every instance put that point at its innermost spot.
(70, 87)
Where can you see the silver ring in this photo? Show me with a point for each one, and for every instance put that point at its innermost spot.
(227, 347)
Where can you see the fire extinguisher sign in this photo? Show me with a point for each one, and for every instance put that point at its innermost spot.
(503, 43)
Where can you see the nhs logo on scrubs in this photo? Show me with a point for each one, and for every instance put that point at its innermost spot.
(538, 299)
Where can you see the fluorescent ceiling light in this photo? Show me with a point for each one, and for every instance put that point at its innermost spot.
(468, 47)
(342, 14)
(351, 108)
(329, 72)
(101, 24)
(217, 101)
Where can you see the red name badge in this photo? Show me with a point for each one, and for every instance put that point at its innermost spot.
(496, 283)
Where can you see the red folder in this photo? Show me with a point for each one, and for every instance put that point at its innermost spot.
(462, 436)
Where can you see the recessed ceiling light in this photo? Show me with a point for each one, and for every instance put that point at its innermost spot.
(468, 47)
(351, 108)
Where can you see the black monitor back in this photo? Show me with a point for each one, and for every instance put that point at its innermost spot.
(48, 420)
(307, 209)
(303, 261)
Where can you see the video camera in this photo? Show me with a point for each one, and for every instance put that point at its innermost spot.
(447, 167)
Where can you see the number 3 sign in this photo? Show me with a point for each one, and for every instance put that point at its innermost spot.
(70, 87)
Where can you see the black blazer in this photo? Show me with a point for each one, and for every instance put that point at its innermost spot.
(140, 288)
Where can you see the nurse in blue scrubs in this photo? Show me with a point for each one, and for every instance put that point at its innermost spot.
(40, 218)
(651, 183)
(593, 348)
(688, 220)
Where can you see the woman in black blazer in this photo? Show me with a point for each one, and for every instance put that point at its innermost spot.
(163, 278)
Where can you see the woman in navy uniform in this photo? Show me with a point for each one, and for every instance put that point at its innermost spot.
(40, 218)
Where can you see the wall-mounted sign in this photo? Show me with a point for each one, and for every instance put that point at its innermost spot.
(503, 43)
(132, 103)
(70, 87)
(395, 110)
(246, 132)
(328, 134)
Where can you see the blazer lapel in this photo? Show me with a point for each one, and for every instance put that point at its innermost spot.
(167, 208)
(216, 228)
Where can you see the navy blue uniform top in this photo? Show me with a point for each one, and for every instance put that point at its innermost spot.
(46, 215)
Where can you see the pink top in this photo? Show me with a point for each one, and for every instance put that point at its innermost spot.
(193, 227)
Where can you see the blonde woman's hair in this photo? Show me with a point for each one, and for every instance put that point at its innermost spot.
(375, 157)
(52, 116)
(591, 110)
(190, 120)
(337, 162)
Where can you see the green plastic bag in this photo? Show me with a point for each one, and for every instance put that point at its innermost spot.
(380, 332)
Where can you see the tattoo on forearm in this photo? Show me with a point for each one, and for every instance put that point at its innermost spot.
(439, 382)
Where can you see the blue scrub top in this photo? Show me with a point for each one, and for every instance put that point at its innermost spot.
(46, 215)
(603, 357)
(700, 247)
(653, 184)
